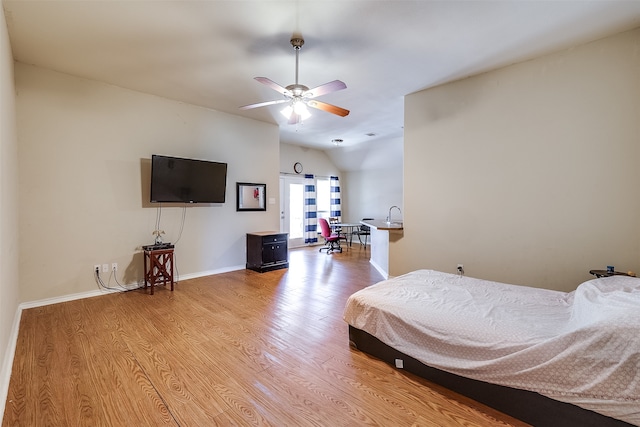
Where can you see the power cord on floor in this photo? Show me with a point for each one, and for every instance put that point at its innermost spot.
(121, 287)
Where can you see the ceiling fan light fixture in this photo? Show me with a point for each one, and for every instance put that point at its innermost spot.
(296, 107)
(301, 109)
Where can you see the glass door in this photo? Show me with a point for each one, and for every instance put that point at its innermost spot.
(292, 209)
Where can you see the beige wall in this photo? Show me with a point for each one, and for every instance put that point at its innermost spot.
(9, 291)
(370, 193)
(313, 161)
(84, 163)
(528, 174)
(372, 177)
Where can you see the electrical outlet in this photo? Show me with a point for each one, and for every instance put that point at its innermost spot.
(105, 268)
(114, 266)
(96, 268)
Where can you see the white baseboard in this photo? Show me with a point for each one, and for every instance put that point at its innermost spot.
(103, 291)
(384, 273)
(211, 272)
(65, 298)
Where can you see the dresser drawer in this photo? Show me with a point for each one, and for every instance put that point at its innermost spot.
(275, 238)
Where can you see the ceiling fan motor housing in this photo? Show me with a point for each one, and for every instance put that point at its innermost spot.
(297, 90)
(297, 42)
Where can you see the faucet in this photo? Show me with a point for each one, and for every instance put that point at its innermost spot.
(390, 209)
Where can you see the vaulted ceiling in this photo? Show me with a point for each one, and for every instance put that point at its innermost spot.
(207, 53)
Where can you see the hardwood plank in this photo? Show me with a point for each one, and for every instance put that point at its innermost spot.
(122, 391)
(240, 348)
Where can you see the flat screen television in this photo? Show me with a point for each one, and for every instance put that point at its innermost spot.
(179, 180)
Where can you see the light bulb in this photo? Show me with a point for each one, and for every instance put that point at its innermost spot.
(296, 107)
(301, 109)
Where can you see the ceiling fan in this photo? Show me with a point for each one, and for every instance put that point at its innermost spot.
(298, 96)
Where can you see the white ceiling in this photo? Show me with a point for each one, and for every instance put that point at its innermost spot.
(208, 52)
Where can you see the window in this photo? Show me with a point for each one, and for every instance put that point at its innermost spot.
(323, 197)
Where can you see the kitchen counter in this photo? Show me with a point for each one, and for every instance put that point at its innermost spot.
(383, 236)
(383, 225)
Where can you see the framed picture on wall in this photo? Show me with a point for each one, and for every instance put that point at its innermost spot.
(251, 196)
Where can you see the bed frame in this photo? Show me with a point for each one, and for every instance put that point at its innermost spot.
(527, 406)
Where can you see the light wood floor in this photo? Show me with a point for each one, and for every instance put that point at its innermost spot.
(239, 348)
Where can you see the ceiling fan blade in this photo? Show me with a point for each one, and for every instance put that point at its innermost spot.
(325, 88)
(328, 108)
(263, 104)
(273, 85)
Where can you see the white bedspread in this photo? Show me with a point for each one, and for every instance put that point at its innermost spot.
(581, 347)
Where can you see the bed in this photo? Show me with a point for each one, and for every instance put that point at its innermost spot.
(545, 357)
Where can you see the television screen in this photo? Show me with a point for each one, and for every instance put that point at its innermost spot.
(174, 179)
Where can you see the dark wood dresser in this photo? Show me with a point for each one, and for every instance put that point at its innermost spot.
(267, 250)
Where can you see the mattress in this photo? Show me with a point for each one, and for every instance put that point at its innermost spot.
(580, 347)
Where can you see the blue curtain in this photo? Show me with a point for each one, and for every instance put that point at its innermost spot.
(310, 210)
(336, 210)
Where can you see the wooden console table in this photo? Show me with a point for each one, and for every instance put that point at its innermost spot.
(158, 267)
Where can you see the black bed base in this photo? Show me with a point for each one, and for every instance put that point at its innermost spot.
(527, 406)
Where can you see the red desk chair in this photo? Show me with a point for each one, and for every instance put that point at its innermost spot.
(331, 240)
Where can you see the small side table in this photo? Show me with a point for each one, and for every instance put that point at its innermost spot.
(605, 273)
(158, 267)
